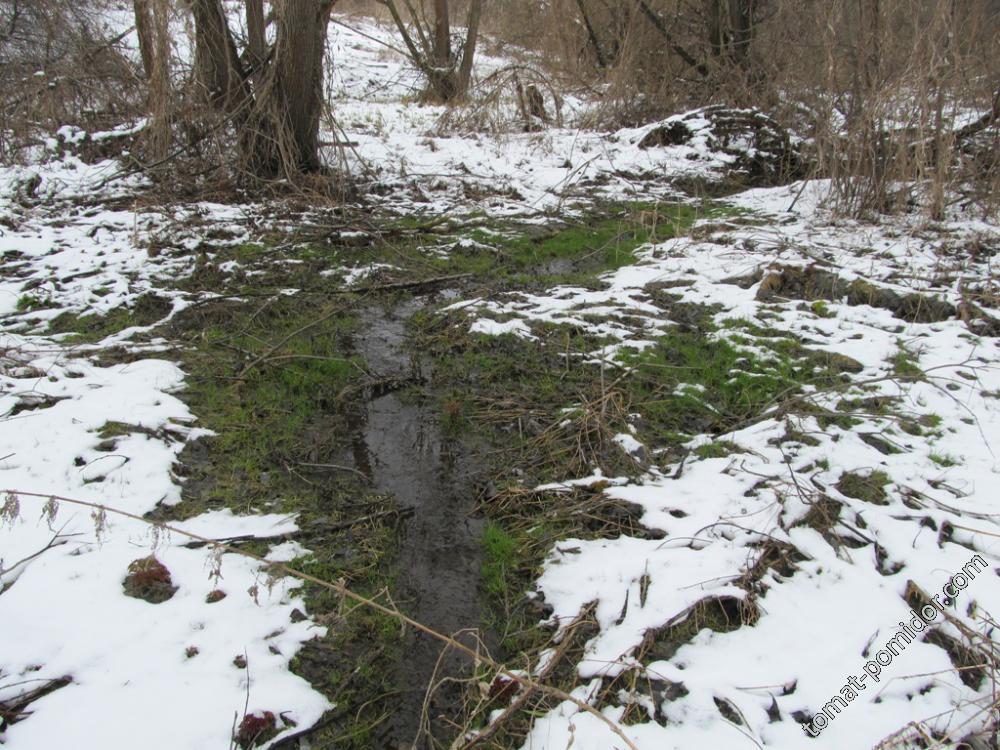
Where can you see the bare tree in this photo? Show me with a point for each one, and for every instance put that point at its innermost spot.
(429, 44)
(271, 98)
(283, 132)
(152, 24)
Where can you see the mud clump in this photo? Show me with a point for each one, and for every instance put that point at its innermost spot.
(148, 579)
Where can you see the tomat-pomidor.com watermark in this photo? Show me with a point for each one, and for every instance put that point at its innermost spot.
(894, 647)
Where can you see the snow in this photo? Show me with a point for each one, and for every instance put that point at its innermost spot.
(66, 605)
(422, 162)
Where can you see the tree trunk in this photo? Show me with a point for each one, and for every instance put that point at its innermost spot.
(256, 35)
(447, 79)
(592, 36)
(144, 30)
(159, 80)
(282, 138)
(299, 73)
(152, 23)
(469, 51)
(743, 15)
(216, 62)
(442, 35)
(716, 35)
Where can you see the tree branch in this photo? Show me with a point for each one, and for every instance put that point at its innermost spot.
(682, 53)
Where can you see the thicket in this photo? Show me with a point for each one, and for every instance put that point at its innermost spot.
(896, 102)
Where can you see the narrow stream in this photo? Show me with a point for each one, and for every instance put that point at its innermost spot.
(399, 444)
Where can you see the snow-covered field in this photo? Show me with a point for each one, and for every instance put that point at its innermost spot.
(179, 673)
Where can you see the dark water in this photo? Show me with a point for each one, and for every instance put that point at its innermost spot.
(401, 447)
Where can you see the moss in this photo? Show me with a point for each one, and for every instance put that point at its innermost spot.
(148, 579)
(869, 487)
(716, 449)
(944, 461)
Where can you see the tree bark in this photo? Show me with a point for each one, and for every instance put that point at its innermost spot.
(282, 138)
(216, 63)
(716, 35)
(159, 81)
(144, 30)
(447, 79)
(469, 51)
(299, 73)
(592, 36)
(256, 34)
(744, 16)
(442, 35)
(152, 23)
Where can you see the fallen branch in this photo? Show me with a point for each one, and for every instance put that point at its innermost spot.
(242, 538)
(682, 53)
(419, 283)
(297, 332)
(981, 124)
(57, 540)
(336, 467)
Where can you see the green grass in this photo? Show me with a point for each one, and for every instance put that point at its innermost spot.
(821, 309)
(79, 329)
(691, 382)
(943, 460)
(512, 554)
(279, 415)
(867, 487)
(500, 559)
(716, 449)
(905, 365)
(518, 255)
(29, 302)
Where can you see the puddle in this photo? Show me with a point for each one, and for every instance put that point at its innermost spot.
(399, 444)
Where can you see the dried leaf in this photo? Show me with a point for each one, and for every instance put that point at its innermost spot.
(49, 512)
(11, 509)
(100, 518)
